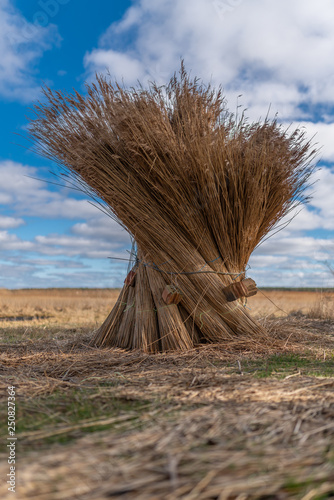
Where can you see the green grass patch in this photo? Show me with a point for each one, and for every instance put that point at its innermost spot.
(21, 334)
(79, 408)
(18, 334)
(283, 365)
(300, 488)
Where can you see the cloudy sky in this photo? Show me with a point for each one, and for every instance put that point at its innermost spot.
(277, 54)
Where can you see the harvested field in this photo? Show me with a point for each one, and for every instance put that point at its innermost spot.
(65, 307)
(211, 423)
(88, 307)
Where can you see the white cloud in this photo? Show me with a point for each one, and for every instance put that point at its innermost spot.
(95, 237)
(103, 60)
(29, 196)
(5, 198)
(26, 276)
(22, 44)
(295, 278)
(319, 214)
(302, 219)
(296, 246)
(260, 261)
(323, 197)
(101, 228)
(10, 222)
(272, 52)
(322, 134)
(76, 262)
(12, 242)
(71, 246)
(46, 263)
(93, 246)
(293, 262)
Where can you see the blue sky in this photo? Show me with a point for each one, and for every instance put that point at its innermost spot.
(271, 53)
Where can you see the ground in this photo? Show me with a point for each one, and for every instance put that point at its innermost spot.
(218, 422)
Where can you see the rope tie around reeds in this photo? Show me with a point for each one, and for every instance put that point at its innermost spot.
(190, 182)
(176, 273)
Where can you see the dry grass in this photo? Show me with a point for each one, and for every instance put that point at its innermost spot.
(273, 303)
(205, 424)
(51, 307)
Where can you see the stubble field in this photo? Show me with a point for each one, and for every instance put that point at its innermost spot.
(213, 423)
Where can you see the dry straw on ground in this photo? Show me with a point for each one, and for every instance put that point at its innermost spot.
(197, 189)
(199, 424)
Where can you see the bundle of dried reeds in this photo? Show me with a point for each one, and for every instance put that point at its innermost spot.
(195, 187)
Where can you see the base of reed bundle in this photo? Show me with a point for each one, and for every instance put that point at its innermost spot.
(154, 316)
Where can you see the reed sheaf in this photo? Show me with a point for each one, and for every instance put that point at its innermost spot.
(195, 186)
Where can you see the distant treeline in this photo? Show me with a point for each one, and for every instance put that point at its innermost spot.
(293, 289)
